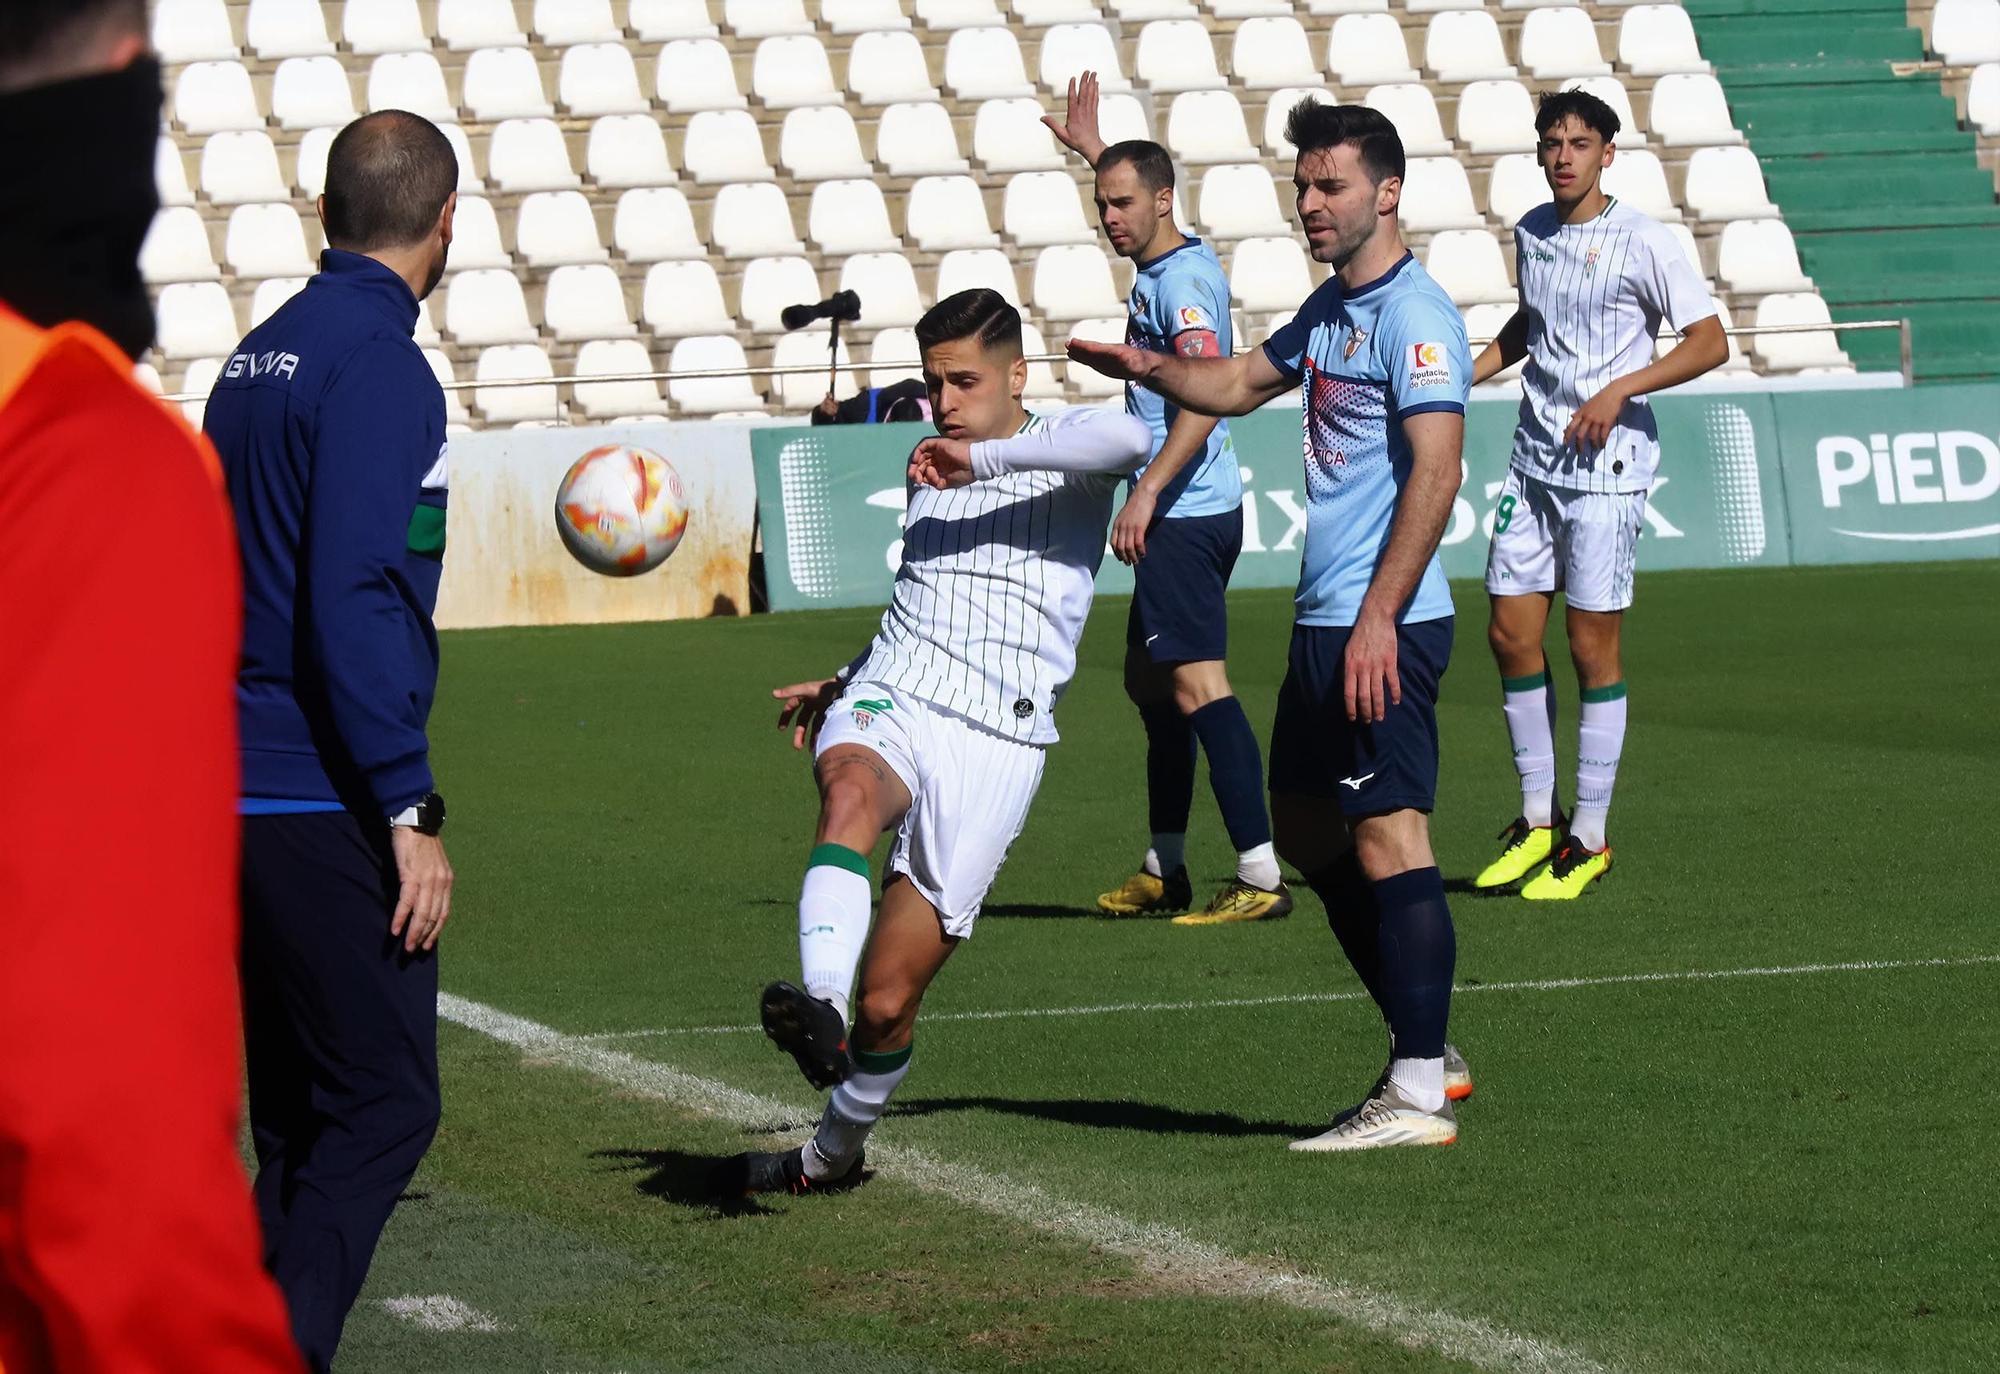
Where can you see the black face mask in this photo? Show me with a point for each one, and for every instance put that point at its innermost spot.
(76, 198)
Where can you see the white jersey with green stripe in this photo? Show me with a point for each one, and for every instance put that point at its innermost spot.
(1595, 294)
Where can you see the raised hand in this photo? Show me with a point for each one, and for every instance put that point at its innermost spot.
(804, 708)
(1077, 130)
(1121, 361)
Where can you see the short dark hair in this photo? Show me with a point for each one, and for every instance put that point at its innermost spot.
(1585, 108)
(1148, 159)
(34, 31)
(980, 313)
(388, 175)
(1312, 126)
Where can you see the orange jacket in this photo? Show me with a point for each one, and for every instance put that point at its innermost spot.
(127, 1238)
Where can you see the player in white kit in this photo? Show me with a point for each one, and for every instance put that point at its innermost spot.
(939, 727)
(1596, 278)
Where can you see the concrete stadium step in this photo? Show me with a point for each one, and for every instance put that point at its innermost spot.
(1881, 214)
(1759, 38)
(1772, 147)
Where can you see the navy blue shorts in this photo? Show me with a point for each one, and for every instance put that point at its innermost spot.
(1180, 610)
(1370, 767)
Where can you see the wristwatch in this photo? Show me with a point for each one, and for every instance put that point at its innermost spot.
(426, 817)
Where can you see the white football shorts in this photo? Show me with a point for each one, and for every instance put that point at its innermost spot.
(1584, 544)
(970, 791)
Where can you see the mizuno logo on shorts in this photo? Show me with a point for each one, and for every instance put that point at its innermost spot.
(1355, 783)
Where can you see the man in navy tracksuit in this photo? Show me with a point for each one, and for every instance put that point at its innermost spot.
(330, 427)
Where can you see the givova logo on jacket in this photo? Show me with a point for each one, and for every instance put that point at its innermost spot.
(1874, 480)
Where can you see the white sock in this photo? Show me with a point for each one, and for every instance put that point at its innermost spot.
(851, 1113)
(1527, 712)
(1258, 867)
(1419, 1080)
(1600, 739)
(834, 905)
(1168, 853)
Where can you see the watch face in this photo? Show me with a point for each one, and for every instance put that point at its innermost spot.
(430, 814)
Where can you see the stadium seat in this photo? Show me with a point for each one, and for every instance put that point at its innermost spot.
(486, 307)
(864, 16)
(887, 66)
(266, 241)
(1468, 264)
(946, 212)
(1368, 50)
(1009, 136)
(1964, 32)
(410, 81)
(148, 376)
(1436, 195)
(683, 298)
(724, 145)
(426, 330)
(1656, 39)
(1239, 202)
(599, 79)
(1792, 352)
(1269, 274)
(1248, 9)
(555, 228)
(1982, 99)
(1069, 50)
(1122, 117)
(1517, 187)
(529, 155)
(610, 400)
(461, 147)
(210, 97)
(765, 18)
(850, 216)
(1539, 4)
(1042, 383)
(1690, 249)
(803, 390)
(1464, 45)
(708, 395)
(1088, 382)
(1609, 89)
(276, 29)
(1690, 109)
(657, 21)
(771, 284)
(893, 356)
(515, 404)
(1561, 43)
(1272, 52)
(652, 223)
(1726, 183)
(170, 176)
(820, 143)
(1430, 6)
(1144, 11)
(984, 64)
(753, 219)
(369, 27)
(916, 138)
(560, 23)
(199, 380)
(1496, 117)
(475, 237)
(196, 320)
(468, 24)
(964, 268)
(1411, 109)
(1041, 208)
(1279, 108)
(455, 412)
(790, 70)
(1482, 324)
(311, 176)
(887, 286)
(504, 83)
(1042, 14)
(311, 93)
(1324, 8)
(193, 31)
(176, 247)
(1637, 178)
(697, 74)
(586, 302)
(239, 167)
(628, 150)
(1207, 126)
(958, 14)
(1176, 55)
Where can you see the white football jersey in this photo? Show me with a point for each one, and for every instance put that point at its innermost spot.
(1595, 294)
(997, 576)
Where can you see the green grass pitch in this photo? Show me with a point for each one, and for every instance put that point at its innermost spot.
(1792, 1170)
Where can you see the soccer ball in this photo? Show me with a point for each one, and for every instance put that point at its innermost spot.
(621, 510)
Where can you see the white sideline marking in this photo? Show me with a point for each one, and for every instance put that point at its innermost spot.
(1294, 998)
(1162, 1251)
(441, 1312)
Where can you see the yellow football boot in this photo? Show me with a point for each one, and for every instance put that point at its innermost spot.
(1239, 901)
(1143, 894)
(1573, 869)
(1527, 845)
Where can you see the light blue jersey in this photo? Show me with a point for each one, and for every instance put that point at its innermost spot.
(1180, 304)
(1367, 360)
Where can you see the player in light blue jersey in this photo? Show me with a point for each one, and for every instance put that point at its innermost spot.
(1181, 529)
(1381, 355)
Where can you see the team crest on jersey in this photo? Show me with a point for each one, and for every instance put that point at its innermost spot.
(1430, 365)
(1590, 260)
(1356, 336)
(1140, 303)
(864, 712)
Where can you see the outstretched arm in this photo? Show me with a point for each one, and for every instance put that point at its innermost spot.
(1088, 441)
(1211, 386)
(1078, 129)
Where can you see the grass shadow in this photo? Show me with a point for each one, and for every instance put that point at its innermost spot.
(697, 1182)
(1106, 1115)
(1039, 911)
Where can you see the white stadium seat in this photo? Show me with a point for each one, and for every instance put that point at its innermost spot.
(410, 81)
(1042, 14)
(771, 284)
(1176, 55)
(628, 150)
(311, 93)
(170, 176)
(468, 24)
(724, 145)
(763, 18)
(1272, 52)
(461, 147)
(1120, 118)
(1689, 109)
(529, 155)
(1368, 50)
(455, 412)
(555, 228)
(609, 400)
(683, 298)
(193, 31)
(1009, 136)
(311, 177)
(599, 79)
(657, 21)
(1727, 183)
(1042, 208)
(1690, 249)
(377, 26)
(864, 16)
(515, 404)
(884, 67)
(893, 356)
(1069, 50)
(200, 380)
(1207, 126)
(1268, 275)
(1517, 186)
(1437, 195)
(1239, 202)
(1430, 6)
(1279, 108)
(984, 64)
(1468, 264)
(946, 212)
(697, 74)
(1610, 90)
(820, 143)
(850, 217)
(196, 320)
(475, 237)
(1042, 383)
(487, 307)
(286, 28)
(652, 223)
(1656, 39)
(210, 97)
(1539, 4)
(1322, 8)
(958, 14)
(1791, 352)
(1561, 43)
(916, 138)
(239, 167)
(266, 241)
(803, 390)
(426, 330)
(586, 302)
(1636, 177)
(1464, 45)
(965, 268)
(1496, 117)
(560, 23)
(1247, 9)
(1982, 99)
(176, 247)
(1088, 382)
(1411, 109)
(753, 219)
(1964, 32)
(1144, 11)
(707, 395)
(887, 286)
(505, 83)
(792, 69)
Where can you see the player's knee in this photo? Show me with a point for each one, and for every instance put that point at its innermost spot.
(1194, 690)
(1509, 643)
(886, 1014)
(1386, 851)
(846, 800)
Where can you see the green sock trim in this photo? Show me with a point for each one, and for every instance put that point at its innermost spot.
(868, 1061)
(1533, 682)
(838, 856)
(1614, 692)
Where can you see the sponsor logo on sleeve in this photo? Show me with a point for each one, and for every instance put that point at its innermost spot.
(1430, 365)
(1194, 317)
